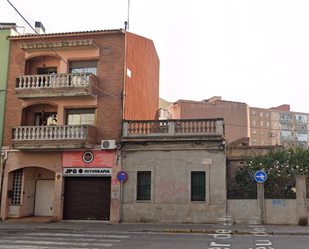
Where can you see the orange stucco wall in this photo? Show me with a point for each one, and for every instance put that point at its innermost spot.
(141, 99)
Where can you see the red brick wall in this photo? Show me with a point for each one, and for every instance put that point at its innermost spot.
(142, 89)
(111, 82)
(13, 114)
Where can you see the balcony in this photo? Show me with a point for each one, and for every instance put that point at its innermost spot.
(285, 120)
(53, 137)
(301, 121)
(286, 127)
(203, 129)
(56, 85)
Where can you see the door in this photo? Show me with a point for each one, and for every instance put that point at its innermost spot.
(28, 202)
(44, 198)
(87, 198)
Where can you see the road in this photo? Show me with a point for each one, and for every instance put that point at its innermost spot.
(10, 239)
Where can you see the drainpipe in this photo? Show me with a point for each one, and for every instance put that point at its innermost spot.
(3, 163)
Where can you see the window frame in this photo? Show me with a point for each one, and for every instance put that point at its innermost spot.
(202, 187)
(85, 66)
(139, 195)
(81, 111)
(16, 198)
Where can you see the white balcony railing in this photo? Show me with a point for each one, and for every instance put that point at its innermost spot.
(204, 127)
(63, 132)
(52, 80)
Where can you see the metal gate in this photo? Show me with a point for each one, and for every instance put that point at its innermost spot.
(87, 198)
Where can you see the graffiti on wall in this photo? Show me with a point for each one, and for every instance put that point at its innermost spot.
(279, 203)
(169, 190)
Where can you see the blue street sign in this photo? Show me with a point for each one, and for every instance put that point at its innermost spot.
(260, 176)
(122, 176)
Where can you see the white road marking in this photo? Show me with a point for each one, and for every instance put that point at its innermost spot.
(59, 240)
(63, 239)
(42, 242)
(79, 235)
(39, 247)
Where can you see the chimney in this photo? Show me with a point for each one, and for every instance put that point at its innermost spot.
(39, 28)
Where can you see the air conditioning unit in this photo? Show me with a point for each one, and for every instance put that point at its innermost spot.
(108, 144)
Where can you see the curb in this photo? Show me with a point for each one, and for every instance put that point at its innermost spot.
(206, 231)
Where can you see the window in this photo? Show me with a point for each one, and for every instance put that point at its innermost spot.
(254, 141)
(143, 185)
(80, 117)
(261, 114)
(267, 115)
(84, 67)
(275, 115)
(253, 122)
(276, 124)
(17, 184)
(262, 132)
(267, 123)
(253, 113)
(254, 132)
(198, 185)
(262, 123)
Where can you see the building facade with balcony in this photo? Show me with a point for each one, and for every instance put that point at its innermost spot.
(278, 126)
(66, 98)
(245, 125)
(176, 171)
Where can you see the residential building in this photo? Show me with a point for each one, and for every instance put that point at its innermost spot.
(235, 114)
(176, 171)
(163, 109)
(67, 95)
(245, 125)
(278, 126)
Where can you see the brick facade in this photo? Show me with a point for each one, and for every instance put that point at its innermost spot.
(114, 96)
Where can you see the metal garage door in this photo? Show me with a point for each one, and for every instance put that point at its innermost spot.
(87, 198)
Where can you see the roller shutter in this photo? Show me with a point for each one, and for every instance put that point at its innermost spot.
(87, 198)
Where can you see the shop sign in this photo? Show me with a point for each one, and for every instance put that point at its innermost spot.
(93, 158)
(87, 172)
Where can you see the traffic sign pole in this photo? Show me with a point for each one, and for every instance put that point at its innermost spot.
(122, 176)
(261, 194)
(260, 177)
(121, 199)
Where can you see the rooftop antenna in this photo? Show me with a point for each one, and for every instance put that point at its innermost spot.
(127, 23)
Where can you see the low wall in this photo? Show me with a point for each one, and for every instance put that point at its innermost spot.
(276, 211)
(281, 212)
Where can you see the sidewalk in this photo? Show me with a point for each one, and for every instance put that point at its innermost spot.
(101, 226)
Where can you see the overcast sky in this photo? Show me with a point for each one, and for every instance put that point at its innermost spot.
(253, 51)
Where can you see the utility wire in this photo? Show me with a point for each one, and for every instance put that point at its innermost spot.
(59, 56)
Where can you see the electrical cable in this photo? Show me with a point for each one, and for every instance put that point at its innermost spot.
(59, 56)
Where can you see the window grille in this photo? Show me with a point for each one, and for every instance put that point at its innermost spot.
(198, 181)
(143, 185)
(17, 185)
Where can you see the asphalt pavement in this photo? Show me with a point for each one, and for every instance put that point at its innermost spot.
(103, 226)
